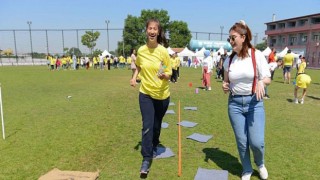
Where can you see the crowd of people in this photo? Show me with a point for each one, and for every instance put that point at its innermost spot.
(99, 62)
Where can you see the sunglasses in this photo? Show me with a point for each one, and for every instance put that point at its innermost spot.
(232, 38)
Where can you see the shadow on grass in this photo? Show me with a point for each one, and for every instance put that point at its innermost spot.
(290, 100)
(274, 81)
(137, 146)
(201, 87)
(316, 83)
(312, 97)
(224, 160)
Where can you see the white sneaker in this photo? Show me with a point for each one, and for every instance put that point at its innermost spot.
(246, 176)
(263, 172)
(209, 88)
(296, 101)
(302, 101)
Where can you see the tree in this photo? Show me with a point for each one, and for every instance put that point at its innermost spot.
(134, 30)
(180, 35)
(96, 53)
(261, 46)
(89, 39)
(133, 35)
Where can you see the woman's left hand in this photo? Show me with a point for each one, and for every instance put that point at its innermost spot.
(260, 92)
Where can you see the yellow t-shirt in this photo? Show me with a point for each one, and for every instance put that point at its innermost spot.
(288, 59)
(173, 63)
(151, 60)
(178, 61)
(122, 59)
(129, 60)
(52, 61)
(302, 67)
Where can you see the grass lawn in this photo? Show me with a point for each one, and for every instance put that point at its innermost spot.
(99, 127)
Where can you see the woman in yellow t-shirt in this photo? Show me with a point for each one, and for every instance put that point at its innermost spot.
(303, 81)
(154, 69)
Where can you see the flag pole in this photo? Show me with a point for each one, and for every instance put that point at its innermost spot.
(1, 111)
(179, 144)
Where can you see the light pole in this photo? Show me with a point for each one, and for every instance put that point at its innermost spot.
(221, 27)
(107, 22)
(29, 23)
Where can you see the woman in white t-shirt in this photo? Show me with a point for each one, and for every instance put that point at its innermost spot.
(246, 73)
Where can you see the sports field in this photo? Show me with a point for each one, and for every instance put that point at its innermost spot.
(89, 120)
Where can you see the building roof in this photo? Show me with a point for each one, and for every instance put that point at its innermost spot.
(300, 17)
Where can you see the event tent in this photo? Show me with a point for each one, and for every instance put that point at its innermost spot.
(105, 53)
(221, 50)
(186, 52)
(200, 53)
(266, 52)
(170, 51)
(284, 52)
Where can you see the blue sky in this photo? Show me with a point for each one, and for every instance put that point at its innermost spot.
(200, 15)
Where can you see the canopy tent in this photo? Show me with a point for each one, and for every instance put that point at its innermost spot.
(105, 53)
(266, 52)
(284, 52)
(200, 53)
(170, 51)
(186, 52)
(221, 50)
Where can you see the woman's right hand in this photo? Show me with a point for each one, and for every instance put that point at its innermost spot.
(133, 82)
(225, 87)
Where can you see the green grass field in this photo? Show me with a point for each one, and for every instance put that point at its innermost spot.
(99, 127)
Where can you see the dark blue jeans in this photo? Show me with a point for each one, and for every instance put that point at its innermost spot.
(152, 111)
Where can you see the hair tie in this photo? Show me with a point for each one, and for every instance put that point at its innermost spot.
(242, 22)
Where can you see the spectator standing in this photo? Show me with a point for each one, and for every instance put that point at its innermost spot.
(287, 63)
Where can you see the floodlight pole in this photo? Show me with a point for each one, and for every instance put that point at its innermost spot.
(29, 23)
(107, 22)
(1, 111)
(221, 27)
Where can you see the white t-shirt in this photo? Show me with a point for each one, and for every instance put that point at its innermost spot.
(207, 62)
(241, 72)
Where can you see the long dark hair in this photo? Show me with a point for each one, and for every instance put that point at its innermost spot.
(161, 38)
(243, 29)
(131, 51)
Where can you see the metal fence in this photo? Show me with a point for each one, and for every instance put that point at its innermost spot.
(25, 42)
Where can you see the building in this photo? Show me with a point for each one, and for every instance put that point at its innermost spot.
(300, 34)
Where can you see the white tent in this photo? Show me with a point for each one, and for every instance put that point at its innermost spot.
(105, 53)
(186, 52)
(283, 52)
(266, 52)
(200, 53)
(170, 51)
(221, 50)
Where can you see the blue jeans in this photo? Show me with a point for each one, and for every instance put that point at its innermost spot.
(152, 112)
(247, 118)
